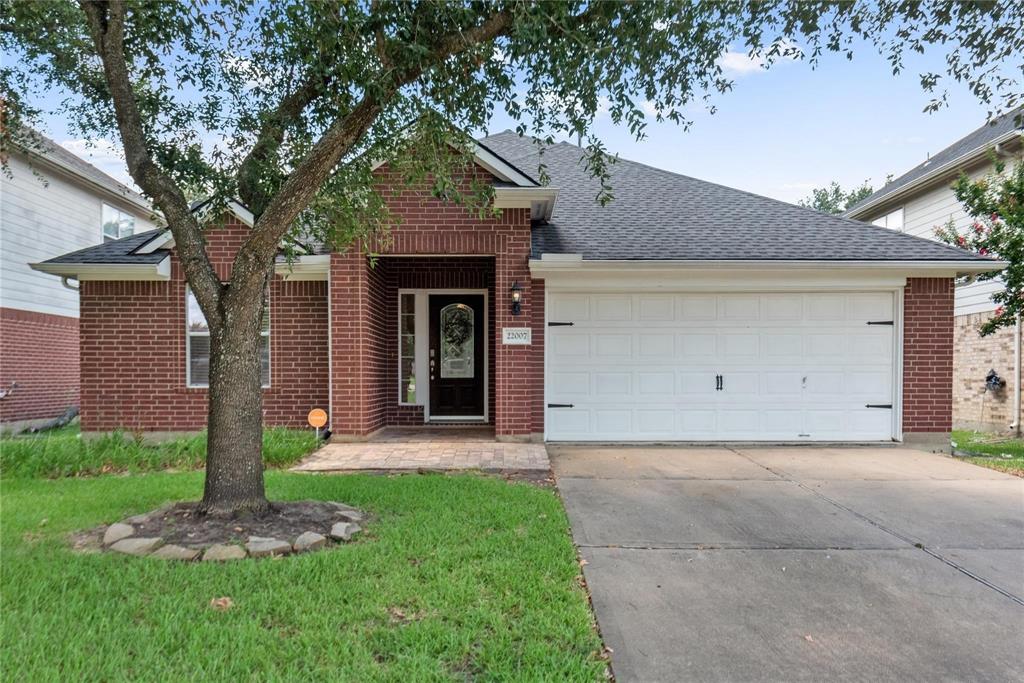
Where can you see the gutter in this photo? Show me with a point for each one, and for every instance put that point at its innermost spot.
(107, 271)
(938, 171)
(574, 262)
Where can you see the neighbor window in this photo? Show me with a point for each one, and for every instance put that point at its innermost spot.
(892, 220)
(198, 343)
(407, 348)
(117, 224)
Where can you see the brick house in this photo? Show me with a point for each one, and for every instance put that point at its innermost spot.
(681, 311)
(921, 200)
(51, 202)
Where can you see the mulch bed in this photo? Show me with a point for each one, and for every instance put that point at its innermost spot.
(179, 524)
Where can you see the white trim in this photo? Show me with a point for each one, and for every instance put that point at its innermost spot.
(932, 175)
(897, 362)
(495, 165)
(165, 240)
(487, 357)
(107, 271)
(552, 263)
(134, 199)
(540, 200)
(315, 267)
(416, 296)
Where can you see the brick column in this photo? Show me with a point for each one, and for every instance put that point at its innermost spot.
(513, 419)
(928, 360)
(348, 297)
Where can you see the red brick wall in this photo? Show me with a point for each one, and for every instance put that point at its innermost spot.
(133, 350)
(39, 352)
(928, 355)
(427, 226)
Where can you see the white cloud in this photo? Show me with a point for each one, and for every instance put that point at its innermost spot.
(104, 154)
(737, 63)
(649, 108)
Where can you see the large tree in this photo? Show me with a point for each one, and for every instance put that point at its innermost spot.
(284, 104)
(834, 199)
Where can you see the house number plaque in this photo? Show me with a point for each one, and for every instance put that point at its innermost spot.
(516, 335)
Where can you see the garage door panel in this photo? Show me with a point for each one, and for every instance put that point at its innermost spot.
(657, 422)
(658, 346)
(613, 346)
(793, 366)
(655, 384)
(738, 346)
(612, 308)
(657, 307)
(698, 307)
(570, 307)
(569, 347)
(739, 307)
(616, 384)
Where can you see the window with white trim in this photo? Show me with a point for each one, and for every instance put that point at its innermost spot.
(407, 348)
(892, 220)
(117, 224)
(197, 343)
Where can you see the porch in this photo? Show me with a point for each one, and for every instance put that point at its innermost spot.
(429, 448)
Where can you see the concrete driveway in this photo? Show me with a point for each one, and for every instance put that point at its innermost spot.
(799, 563)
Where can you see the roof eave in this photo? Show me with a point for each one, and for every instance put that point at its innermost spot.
(567, 262)
(859, 212)
(160, 271)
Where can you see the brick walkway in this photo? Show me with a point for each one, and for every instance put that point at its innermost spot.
(428, 449)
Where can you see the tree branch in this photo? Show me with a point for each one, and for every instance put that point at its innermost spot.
(106, 24)
(304, 182)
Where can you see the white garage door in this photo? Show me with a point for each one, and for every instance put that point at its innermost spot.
(803, 366)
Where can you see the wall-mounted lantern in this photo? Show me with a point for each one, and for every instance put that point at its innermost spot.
(517, 298)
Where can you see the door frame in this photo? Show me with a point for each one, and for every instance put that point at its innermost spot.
(637, 285)
(423, 352)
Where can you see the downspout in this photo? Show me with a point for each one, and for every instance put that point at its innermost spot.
(1015, 425)
(64, 281)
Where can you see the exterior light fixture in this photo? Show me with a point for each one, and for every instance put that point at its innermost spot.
(517, 298)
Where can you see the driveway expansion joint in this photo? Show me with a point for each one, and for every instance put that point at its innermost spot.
(881, 527)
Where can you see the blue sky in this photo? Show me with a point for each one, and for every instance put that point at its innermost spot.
(779, 132)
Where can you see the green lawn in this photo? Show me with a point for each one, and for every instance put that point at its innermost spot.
(994, 451)
(457, 578)
(64, 453)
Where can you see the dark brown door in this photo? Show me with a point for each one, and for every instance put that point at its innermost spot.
(456, 355)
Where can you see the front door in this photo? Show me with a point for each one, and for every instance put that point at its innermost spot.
(456, 355)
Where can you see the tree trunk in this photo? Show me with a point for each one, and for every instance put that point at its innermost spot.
(234, 439)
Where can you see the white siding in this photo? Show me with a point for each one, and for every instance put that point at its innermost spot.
(934, 208)
(44, 214)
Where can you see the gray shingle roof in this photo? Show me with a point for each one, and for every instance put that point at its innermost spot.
(659, 215)
(980, 138)
(116, 251)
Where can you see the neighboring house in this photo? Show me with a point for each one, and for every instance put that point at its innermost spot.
(681, 311)
(921, 200)
(50, 202)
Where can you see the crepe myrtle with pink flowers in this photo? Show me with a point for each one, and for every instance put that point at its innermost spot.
(995, 204)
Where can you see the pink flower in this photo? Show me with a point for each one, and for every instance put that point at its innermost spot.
(1000, 310)
(961, 240)
(983, 251)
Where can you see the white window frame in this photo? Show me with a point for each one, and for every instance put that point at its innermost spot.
(416, 333)
(188, 346)
(103, 235)
(883, 220)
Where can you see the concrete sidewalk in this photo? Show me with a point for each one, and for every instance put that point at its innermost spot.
(799, 563)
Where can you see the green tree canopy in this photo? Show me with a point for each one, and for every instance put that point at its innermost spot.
(285, 104)
(995, 204)
(834, 199)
